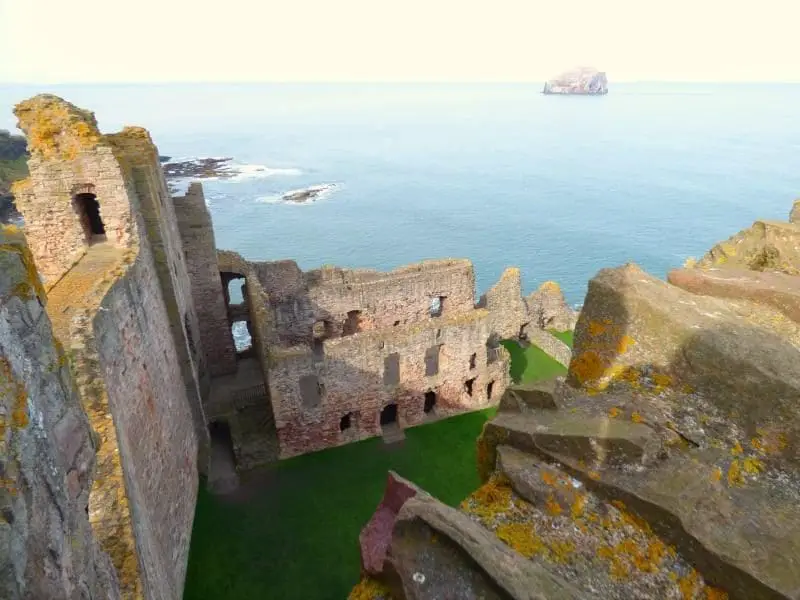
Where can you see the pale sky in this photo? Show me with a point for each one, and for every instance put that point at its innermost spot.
(59, 41)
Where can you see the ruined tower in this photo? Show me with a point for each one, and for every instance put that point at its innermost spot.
(104, 237)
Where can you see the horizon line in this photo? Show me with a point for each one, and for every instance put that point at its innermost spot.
(380, 82)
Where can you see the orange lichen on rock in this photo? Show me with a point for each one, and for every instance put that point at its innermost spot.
(369, 589)
(11, 387)
(521, 537)
(55, 128)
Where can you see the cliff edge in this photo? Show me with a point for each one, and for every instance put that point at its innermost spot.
(664, 465)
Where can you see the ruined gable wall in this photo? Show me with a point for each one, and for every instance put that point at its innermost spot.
(200, 251)
(352, 375)
(504, 302)
(68, 156)
(48, 452)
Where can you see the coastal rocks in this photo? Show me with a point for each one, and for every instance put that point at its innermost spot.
(309, 194)
(581, 81)
(765, 246)
(199, 168)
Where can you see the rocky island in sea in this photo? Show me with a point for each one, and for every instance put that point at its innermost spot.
(586, 81)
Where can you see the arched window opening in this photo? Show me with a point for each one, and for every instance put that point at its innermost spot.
(88, 209)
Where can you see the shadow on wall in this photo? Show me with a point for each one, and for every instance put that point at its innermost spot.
(724, 368)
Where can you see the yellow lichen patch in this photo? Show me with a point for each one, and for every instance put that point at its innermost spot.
(624, 344)
(662, 380)
(578, 506)
(521, 537)
(550, 286)
(614, 412)
(737, 449)
(713, 593)
(636, 417)
(688, 585)
(716, 474)
(31, 286)
(752, 465)
(735, 474)
(14, 389)
(596, 328)
(690, 262)
(553, 507)
(369, 589)
(56, 129)
(489, 500)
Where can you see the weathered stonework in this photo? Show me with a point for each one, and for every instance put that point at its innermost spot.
(47, 452)
(105, 238)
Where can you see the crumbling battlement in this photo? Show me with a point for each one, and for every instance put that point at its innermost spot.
(47, 451)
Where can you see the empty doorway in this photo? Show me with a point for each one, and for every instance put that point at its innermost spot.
(430, 402)
(389, 415)
(88, 209)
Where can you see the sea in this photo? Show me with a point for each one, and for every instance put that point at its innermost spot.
(559, 186)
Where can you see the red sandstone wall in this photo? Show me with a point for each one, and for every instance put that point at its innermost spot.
(53, 226)
(153, 421)
(200, 252)
(352, 375)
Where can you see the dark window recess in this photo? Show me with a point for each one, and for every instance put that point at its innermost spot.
(468, 385)
(391, 369)
(221, 439)
(88, 209)
(396, 323)
(472, 360)
(311, 391)
(389, 414)
(346, 422)
(489, 389)
(437, 306)
(353, 323)
(432, 360)
(430, 401)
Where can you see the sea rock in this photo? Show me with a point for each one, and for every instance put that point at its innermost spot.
(580, 81)
(308, 194)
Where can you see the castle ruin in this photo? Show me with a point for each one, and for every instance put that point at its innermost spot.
(132, 305)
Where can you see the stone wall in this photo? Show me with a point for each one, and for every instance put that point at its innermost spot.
(200, 251)
(158, 222)
(47, 455)
(352, 372)
(153, 421)
(331, 295)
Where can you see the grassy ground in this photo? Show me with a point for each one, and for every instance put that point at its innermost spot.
(297, 537)
(531, 363)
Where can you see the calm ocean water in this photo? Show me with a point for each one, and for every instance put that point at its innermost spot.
(559, 186)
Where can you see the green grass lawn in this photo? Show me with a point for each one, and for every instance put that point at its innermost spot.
(297, 537)
(531, 363)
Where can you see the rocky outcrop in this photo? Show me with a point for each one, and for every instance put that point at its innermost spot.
(47, 549)
(581, 81)
(665, 464)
